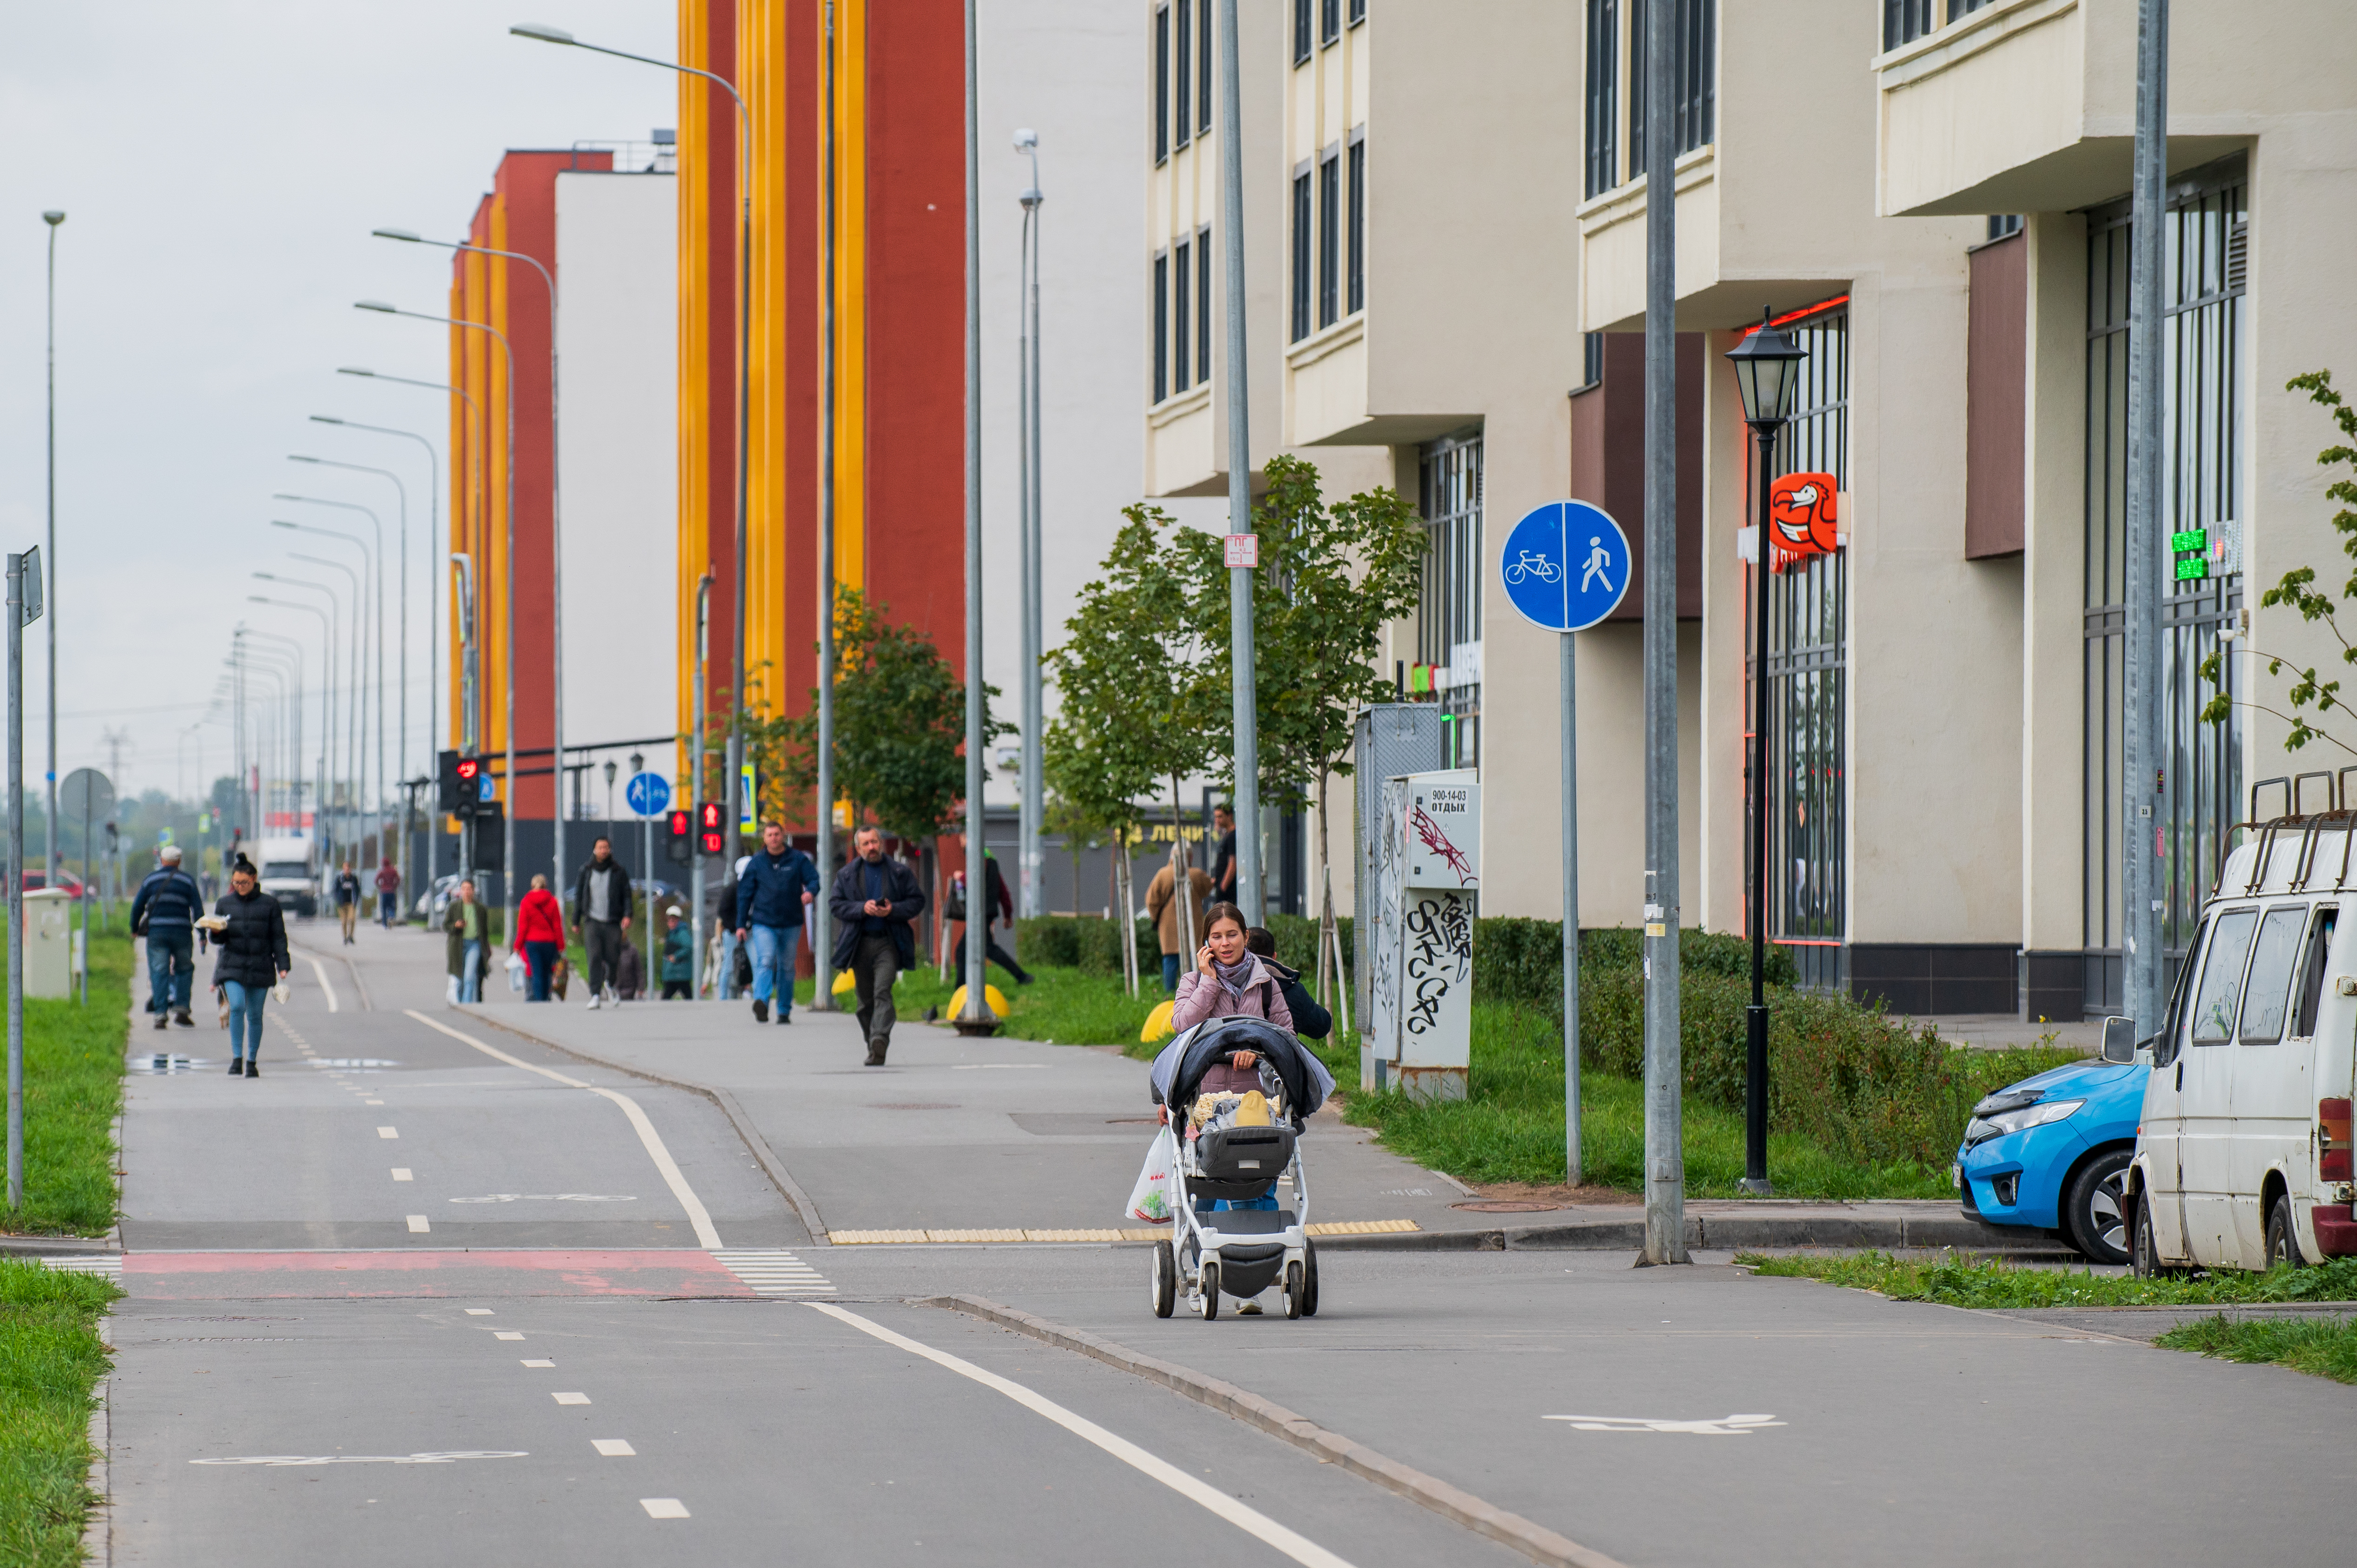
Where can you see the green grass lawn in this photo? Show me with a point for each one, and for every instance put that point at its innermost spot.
(73, 1088)
(1990, 1282)
(51, 1359)
(2323, 1348)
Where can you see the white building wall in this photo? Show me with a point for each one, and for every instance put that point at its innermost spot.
(618, 345)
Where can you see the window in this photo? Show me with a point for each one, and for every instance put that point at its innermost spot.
(1964, 7)
(1904, 21)
(1182, 90)
(1301, 254)
(1161, 327)
(2203, 241)
(2265, 997)
(2002, 224)
(1161, 84)
(1302, 42)
(1204, 66)
(1203, 304)
(1603, 87)
(1591, 359)
(1358, 12)
(1329, 239)
(1693, 73)
(1181, 299)
(1449, 617)
(2218, 997)
(1808, 674)
(1358, 294)
(1329, 21)
(2311, 971)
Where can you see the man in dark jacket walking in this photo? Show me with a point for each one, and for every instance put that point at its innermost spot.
(997, 904)
(1310, 1020)
(776, 881)
(875, 900)
(166, 913)
(602, 913)
(251, 937)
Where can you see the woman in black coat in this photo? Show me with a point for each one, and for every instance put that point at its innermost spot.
(251, 937)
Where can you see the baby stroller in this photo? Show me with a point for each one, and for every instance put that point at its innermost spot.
(1237, 1251)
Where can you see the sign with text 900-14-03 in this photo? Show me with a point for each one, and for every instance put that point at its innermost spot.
(1565, 565)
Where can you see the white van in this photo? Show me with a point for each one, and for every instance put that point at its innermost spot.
(2242, 1156)
(289, 871)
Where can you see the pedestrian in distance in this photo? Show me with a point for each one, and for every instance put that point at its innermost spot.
(166, 912)
(629, 973)
(678, 956)
(602, 913)
(1224, 861)
(778, 880)
(1228, 981)
(539, 938)
(249, 931)
(467, 925)
(348, 901)
(1162, 908)
(877, 901)
(996, 904)
(1310, 1020)
(388, 892)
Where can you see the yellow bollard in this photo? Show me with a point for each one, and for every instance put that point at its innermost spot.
(1158, 1023)
(991, 997)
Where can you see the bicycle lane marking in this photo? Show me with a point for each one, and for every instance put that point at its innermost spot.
(698, 1216)
(1251, 1520)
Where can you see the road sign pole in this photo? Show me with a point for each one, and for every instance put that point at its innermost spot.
(1567, 679)
(17, 881)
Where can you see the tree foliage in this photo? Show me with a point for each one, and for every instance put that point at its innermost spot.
(2309, 696)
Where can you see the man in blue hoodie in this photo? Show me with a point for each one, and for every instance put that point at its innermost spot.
(776, 881)
(166, 913)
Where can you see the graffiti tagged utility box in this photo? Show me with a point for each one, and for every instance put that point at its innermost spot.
(1426, 886)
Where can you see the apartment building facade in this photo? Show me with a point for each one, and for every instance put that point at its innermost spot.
(1929, 196)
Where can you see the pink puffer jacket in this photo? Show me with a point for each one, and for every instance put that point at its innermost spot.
(1201, 997)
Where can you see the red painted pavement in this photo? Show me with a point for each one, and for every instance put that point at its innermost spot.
(189, 1276)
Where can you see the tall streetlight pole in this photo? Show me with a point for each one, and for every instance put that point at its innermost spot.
(1766, 371)
(401, 650)
(295, 747)
(555, 525)
(822, 918)
(328, 632)
(507, 586)
(433, 535)
(978, 1017)
(695, 794)
(1243, 676)
(49, 820)
(470, 686)
(24, 601)
(545, 35)
(375, 618)
(348, 739)
(1033, 478)
(358, 726)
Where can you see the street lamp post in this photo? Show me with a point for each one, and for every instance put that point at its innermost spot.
(1034, 788)
(330, 627)
(556, 522)
(547, 35)
(977, 1018)
(695, 795)
(470, 695)
(50, 821)
(359, 722)
(373, 618)
(294, 747)
(401, 654)
(1767, 371)
(507, 582)
(822, 918)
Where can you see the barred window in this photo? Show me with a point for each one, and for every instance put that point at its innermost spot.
(1448, 622)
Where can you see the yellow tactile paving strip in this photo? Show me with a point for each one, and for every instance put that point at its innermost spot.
(1141, 1233)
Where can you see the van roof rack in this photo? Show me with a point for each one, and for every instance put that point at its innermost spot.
(2339, 814)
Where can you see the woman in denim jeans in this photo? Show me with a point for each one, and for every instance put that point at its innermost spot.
(251, 938)
(469, 928)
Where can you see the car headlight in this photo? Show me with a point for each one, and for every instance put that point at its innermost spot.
(1996, 1123)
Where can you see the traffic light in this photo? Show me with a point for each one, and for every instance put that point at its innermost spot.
(459, 788)
(710, 823)
(676, 844)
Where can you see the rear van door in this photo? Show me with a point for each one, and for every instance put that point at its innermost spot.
(2275, 1067)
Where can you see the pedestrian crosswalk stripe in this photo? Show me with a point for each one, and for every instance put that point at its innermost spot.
(108, 1265)
(773, 1270)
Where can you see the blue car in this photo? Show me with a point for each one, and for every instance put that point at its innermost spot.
(2051, 1152)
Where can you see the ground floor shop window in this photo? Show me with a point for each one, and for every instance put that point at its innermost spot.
(1448, 627)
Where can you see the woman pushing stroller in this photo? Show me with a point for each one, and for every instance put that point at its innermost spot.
(1228, 981)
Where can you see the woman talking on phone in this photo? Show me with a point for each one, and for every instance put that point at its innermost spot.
(1228, 981)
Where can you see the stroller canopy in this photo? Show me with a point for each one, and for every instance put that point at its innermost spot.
(1178, 1071)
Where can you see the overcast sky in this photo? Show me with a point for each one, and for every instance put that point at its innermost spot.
(221, 165)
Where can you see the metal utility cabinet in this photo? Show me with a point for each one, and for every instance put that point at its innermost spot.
(49, 942)
(1426, 885)
(1387, 739)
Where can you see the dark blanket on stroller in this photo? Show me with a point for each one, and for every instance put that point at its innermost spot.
(1306, 1082)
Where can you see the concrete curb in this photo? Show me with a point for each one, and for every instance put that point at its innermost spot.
(98, 1524)
(771, 1166)
(60, 1246)
(1534, 1542)
(1721, 1231)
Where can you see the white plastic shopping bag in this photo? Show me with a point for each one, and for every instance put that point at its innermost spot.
(1150, 1199)
(515, 972)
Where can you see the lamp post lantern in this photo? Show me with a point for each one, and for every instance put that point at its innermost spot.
(1767, 369)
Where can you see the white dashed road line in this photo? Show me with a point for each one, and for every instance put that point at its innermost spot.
(663, 1508)
(388, 1132)
(417, 1225)
(706, 1235)
(1251, 1520)
(570, 1399)
(773, 1270)
(612, 1447)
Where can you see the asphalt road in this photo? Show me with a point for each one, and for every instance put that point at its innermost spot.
(303, 1376)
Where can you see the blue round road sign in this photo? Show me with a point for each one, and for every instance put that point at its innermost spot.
(647, 793)
(1565, 565)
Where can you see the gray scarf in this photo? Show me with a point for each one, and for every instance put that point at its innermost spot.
(1235, 976)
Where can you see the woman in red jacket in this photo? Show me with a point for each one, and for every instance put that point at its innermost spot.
(540, 935)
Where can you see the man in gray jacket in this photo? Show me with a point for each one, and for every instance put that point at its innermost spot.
(602, 913)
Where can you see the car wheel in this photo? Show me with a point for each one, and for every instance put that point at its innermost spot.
(2094, 1211)
(2283, 1241)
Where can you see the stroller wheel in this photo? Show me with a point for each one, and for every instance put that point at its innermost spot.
(1166, 1280)
(1309, 1280)
(1293, 1290)
(1207, 1301)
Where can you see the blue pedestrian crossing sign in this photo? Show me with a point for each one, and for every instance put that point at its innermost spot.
(1565, 565)
(649, 794)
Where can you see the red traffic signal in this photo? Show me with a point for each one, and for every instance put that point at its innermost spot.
(469, 769)
(679, 825)
(709, 818)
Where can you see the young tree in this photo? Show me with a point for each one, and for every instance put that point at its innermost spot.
(1331, 579)
(2308, 695)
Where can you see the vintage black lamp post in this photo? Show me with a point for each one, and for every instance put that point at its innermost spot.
(1767, 369)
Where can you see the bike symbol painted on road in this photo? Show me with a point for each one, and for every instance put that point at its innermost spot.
(1724, 1426)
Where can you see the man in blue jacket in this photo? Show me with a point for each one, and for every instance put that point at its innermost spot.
(776, 881)
(166, 913)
